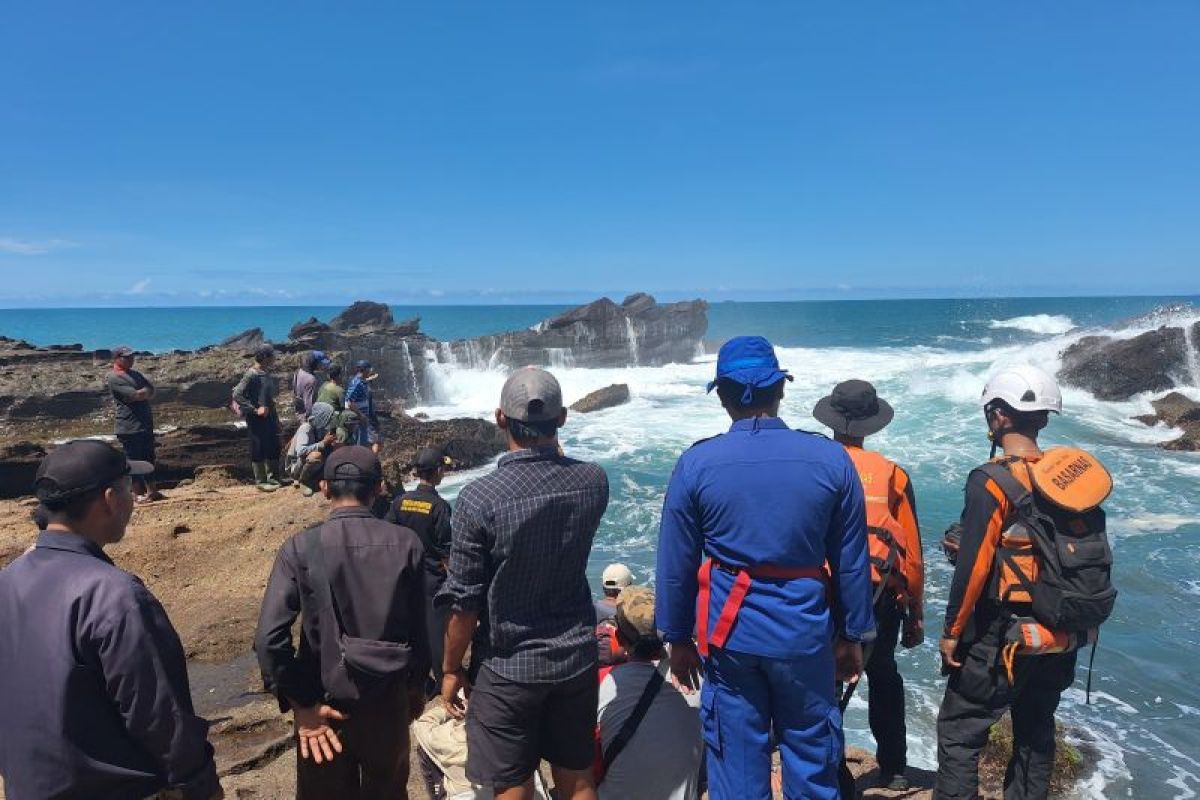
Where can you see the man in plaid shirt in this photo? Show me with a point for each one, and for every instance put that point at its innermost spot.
(518, 593)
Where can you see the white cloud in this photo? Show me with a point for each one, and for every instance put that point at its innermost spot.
(140, 287)
(31, 247)
(437, 292)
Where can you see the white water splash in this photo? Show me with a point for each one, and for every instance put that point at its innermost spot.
(1046, 324)
(414, 384)
(560, 357)
(1193, 352)
(446, 354)
(631, 333)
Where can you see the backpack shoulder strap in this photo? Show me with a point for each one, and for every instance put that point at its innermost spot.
(635, 719)
(1018, 495)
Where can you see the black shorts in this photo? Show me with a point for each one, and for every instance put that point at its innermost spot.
(138, 446)
(512, 726)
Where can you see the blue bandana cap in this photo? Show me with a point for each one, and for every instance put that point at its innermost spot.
(750, 361)
(320, 359)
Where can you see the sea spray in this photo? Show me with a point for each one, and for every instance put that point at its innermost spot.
(631, 336)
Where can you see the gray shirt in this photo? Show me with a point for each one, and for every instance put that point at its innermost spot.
(518, 555)
(304, 387)
(133, 416)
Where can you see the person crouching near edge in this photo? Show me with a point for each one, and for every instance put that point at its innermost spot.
(310, 446)
(765, 508)
(518, 567)
(357, 678)
(853, 411)
(94, 686)
(650, 742)
(1032, 581)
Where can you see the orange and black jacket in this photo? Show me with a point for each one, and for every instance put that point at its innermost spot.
(904, 509)
(984, 519)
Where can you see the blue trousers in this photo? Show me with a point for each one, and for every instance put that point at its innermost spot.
(745, 699)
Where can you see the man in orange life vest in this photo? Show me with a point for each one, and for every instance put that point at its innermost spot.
(854, 411)
(765, 507)
(1017, 403)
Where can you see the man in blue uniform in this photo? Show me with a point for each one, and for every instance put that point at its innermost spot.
(777, 516)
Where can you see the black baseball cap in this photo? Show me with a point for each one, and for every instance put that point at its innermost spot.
(76, 467)
(431, 458)
(353, 463)
(122, 351)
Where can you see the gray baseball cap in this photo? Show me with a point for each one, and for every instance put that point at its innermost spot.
(531, 395)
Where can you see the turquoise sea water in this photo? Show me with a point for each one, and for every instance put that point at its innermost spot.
(930, 359)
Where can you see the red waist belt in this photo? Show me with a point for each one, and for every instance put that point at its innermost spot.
(733, 603)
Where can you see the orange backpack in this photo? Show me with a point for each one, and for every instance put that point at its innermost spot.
(886, 539)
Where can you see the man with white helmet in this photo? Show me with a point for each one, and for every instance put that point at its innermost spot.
(1003, 550)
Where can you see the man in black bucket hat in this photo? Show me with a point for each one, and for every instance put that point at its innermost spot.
(95, 686)
(854, 411)
(357, 678)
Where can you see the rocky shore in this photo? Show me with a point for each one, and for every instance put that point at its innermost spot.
(50, 394)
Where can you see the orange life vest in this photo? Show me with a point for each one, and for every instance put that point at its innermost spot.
(887, 542)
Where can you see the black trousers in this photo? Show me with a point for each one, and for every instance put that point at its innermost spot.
(885, 690)
(436, 618)
(373, 764)
(977, 695)
(264, 437)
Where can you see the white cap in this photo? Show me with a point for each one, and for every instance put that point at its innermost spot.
(616, 576)
(1024, 388)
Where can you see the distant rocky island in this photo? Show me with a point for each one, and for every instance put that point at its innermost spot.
(52, 393)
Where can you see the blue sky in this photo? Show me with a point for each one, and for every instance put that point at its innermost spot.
(180, 153)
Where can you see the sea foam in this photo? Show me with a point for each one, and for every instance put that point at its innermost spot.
(1044, 324)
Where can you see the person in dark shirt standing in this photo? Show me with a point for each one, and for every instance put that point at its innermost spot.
(357, 679)
(131, 392)
(517, 586)
(424, 511)
(95, 688)
(255, 395)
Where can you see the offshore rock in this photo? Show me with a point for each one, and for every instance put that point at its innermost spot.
(248, 340)
(640, 332)
(1118, 369)
(363, 314)
(1181, 412)
(609, 396)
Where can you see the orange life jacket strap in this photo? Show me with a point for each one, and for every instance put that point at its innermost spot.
(737, 595)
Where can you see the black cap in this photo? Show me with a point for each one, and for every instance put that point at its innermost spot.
(353, 463)
(80, 466)
(431, 458)
(854, 409)
(122, 351)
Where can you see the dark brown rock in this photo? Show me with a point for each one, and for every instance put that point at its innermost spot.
(1118, 369)
(362, 314)
(310, 327)
(1179, 411)
(609, 396)
(468, 442)
(18, 466)
(247, 340)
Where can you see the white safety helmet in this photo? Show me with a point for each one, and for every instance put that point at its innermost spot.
(616, 576)
(1024, 388)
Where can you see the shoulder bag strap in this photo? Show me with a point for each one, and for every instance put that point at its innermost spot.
(316, 570)
(635, 719)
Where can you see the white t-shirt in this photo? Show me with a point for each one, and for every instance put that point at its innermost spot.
(662, 760)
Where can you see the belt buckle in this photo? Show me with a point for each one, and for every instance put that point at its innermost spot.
(726, 569)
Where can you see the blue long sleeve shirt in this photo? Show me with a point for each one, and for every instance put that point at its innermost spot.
(766, 494)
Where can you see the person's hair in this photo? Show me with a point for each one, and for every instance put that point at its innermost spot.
(641, 647)
(1026, 422)
(40, 517)
(335, 372)
(72, 509)
(362, 491)
(426, 474)
(264, 354)
(526, 433)
(731, 393)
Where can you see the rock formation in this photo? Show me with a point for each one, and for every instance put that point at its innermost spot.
(50, 394)
(639, 332)
(1180, 412)
(609, 396)
(1117, 369)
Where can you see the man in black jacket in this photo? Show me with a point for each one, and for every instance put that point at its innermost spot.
(357, 678)
(95, 687)
(424, 511)
(131, 392)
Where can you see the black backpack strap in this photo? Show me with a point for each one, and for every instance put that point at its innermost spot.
(635, 719)
(1020, 497)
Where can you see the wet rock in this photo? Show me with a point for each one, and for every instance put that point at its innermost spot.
(248, 340)
(609, 396)
(309, 328)
(1178, 411)
(1118, 369)
(467, 442)
(599, 334)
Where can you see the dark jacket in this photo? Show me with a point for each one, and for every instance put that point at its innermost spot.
(376, 575)
(133, 416)
(93, 683)
(256, 389)
(428, 515)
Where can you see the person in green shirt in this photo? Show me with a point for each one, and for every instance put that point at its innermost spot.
(332, 391)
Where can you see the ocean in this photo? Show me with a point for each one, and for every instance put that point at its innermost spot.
(929, 358)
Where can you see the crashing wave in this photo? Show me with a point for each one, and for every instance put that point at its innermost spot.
(1044, 324)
